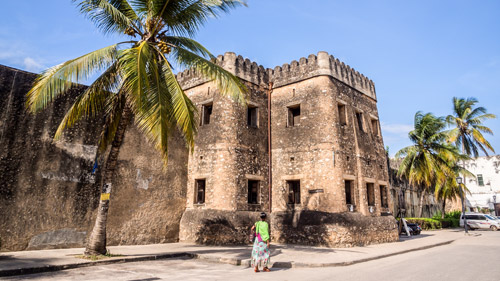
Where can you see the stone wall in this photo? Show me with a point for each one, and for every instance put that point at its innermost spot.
(318, 151)
(321, 152)
(410, 199)
(48, 196)
(218, 227)
(332, 229)
(49, 186)
(228, 152)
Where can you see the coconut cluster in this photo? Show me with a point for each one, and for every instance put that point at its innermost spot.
(129, 31)
(164, 47)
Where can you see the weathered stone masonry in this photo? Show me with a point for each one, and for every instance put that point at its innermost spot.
(325, 136)
(325, 132)
(48, 197)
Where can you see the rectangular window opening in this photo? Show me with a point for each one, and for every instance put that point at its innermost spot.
(200, 191)
(293, 192)
(253, 192)
(359, 119)
(252, 117)
(293, 115)
(206, 114)
(375, 127)
(370, 191)
(348, 192)
(383, 196)
(342, 114)
(480, 180)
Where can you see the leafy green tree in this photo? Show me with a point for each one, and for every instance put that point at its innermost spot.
(136, 79)
(425, 163)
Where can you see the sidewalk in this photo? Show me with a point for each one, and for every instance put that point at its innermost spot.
(284, 256)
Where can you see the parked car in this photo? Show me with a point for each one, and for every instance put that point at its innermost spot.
(480, 221)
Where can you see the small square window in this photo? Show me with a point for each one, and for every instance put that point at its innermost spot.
(370, 192)
(253, 192)
(480, 180)
(200, 191)
(348, 192)
(383, 196)
(206, 114)
(359, 119)
(375, 127)
(293, 192)
(293, 115)
(252, 117)
(342, 114)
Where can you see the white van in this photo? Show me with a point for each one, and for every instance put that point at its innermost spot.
(478, 220)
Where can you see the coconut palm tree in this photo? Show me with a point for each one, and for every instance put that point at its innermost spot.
(468, 129)
(448, 189)
(136, 79)
(425, 163)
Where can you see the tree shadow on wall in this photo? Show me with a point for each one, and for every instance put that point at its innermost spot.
(317, 228)
(303, 227)
(220, 231)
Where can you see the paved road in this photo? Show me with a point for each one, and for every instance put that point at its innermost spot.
(470, 258)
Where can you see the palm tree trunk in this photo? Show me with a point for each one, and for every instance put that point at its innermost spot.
(463, 193)
(444, 207)
(96, 243)
(421, 203)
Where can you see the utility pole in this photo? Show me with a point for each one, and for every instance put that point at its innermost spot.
(459, 182)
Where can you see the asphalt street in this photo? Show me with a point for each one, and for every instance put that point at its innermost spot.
(470, 258)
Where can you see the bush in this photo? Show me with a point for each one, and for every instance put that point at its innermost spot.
(437, 216)
(426, 223)
(453, 215)
(449, 222)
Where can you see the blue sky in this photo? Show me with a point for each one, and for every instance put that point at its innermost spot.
(420, 54)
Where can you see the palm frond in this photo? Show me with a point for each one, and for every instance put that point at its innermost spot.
(93, 100)
(116, 106)
(184, 109)
(189, 44)
(226, 82)
(110, 16)
(58, 79)
(185, 17)
(134, 65)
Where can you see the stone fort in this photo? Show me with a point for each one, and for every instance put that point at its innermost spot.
(329, 177)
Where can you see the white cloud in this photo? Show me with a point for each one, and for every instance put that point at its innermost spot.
(31, 65)
(396, 136)
(400, 129)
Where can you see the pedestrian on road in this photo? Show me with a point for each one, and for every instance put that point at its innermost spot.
(260, 252)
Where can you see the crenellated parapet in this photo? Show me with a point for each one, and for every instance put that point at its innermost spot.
(237, 65)
(312, 66)
(318, 65)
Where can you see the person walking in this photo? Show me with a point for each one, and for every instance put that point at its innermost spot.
(260, 252)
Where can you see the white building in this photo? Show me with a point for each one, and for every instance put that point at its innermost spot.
(485, 188)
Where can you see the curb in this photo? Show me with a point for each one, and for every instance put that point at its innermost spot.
(51, 268)
(347, 263)
(201, 257)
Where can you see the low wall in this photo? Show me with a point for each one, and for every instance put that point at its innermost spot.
(214, 227)
(332, 229)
